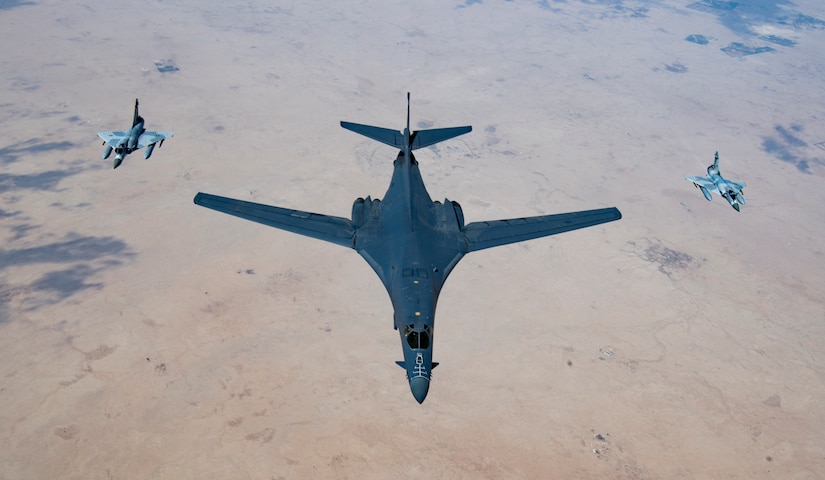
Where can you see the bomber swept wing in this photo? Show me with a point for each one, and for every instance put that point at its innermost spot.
(481, 235)
(335, 230)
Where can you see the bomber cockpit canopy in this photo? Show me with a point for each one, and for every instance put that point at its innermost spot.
(418, 339)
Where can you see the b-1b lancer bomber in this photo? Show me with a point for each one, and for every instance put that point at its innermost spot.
(124, 143)
(412, 242)
(730, 190)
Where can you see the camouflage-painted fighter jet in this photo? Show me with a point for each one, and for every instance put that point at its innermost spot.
(730, 190)
(124, 143)
(412, 242)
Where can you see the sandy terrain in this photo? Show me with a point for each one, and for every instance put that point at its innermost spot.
(145, 337)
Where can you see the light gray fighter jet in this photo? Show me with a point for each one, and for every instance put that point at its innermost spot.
(124, 143)
(411, 241)
(730, 190)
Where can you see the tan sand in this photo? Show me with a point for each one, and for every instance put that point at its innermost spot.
(145, 337)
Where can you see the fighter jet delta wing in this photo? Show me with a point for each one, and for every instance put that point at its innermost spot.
(149, 138)
(701, 181)
(736, 184)
(336, 230)
(112, 138)
(481, 235)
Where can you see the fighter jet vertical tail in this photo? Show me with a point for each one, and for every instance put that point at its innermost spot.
(716, 161)
(407, 139)
(136, 117)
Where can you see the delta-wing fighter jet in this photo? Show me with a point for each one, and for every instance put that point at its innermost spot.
(730, 190)
(124, 143)
(412, 242)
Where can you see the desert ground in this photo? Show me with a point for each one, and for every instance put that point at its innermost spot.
(145, 337)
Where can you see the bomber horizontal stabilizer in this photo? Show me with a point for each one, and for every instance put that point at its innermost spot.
(393, 138)
(425, 138)
(418, 139)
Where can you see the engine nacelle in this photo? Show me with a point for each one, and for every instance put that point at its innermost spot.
(363, 209)
(149, 151)
(459, 214)
(107, 151)
(358, 212)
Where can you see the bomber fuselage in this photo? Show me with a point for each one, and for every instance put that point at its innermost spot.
(412, 243)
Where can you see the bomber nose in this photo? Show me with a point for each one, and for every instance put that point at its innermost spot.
(419, 387)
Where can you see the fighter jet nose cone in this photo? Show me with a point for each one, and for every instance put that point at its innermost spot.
(736, 207)
(419, 387)
(118, 161)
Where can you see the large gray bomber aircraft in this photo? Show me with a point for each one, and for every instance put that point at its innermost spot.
(124, 143)
(412, 242)
(730, 190)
